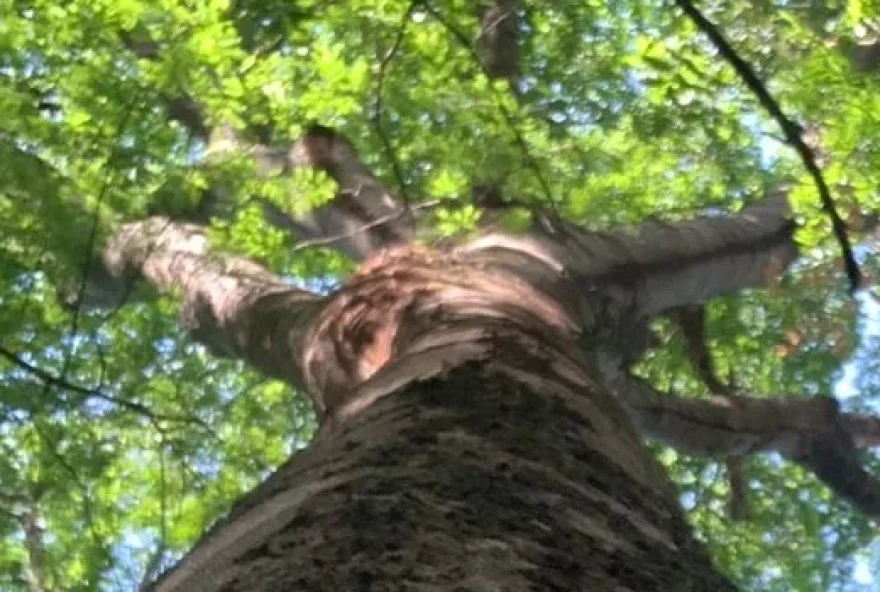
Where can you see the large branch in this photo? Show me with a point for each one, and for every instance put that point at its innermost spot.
(361, 219)
(810, 432)
(25, 509)
(657, 266)
(35, 571)
(497, 44)
(792, 131)
(864, 54)
(691, 320)
(237, 308)
(362, 202)
(180, 108)
(230, 304)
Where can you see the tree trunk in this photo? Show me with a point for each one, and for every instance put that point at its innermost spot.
(466, 444)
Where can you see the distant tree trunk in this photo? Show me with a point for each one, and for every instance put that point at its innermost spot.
(497, 43)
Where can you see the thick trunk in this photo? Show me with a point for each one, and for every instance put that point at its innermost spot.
(466, 444)
(513, 473)
(471, 404)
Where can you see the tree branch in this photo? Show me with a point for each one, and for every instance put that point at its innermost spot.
(497, 43)
(182, 109)
(510, 121)
(360, 201)
(659, 266)
(59, 382)
(691, 320)
(810, 432)
(361, 219)
(353, 217)
(233, 306)
(792, 131)
(376, 116)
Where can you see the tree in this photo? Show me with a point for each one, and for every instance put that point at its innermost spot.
(485, 380)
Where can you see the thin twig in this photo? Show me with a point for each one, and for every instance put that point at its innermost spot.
(505, 112)
(92, 240)
(93, 232)
(50, 381)
(791, 130)
(329, 240)
(376, 117)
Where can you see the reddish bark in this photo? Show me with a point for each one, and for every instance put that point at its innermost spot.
(468, 444)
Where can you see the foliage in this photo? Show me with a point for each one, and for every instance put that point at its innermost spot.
(624, 113)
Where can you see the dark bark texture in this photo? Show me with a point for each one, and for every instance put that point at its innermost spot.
(498, 41)
(480, 427)
(444, 486)
(467, 444)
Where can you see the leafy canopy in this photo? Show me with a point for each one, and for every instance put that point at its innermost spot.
(624, 113)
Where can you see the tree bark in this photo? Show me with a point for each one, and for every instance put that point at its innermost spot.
(476, 407)
(498, 41)
(483, 454)
(495, 476)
